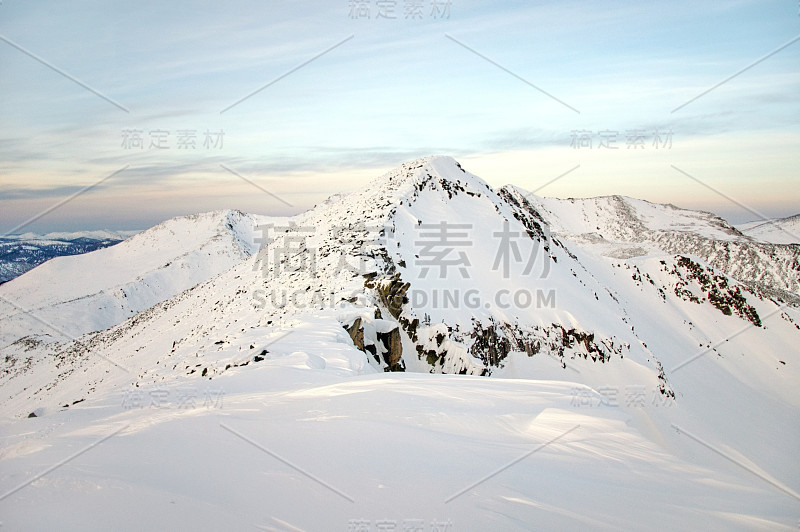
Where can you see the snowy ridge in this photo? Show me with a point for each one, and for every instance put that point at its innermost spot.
(622, 227)
(148, 268)
(777, 231)
(621, 217)
(339, 344)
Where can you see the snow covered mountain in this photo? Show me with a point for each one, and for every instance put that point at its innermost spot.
(397, 355)
(21, 253)
(617, 226)
(69, 296)
(777, 231)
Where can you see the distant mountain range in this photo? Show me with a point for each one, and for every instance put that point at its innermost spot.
(777, 231)
(21, 253)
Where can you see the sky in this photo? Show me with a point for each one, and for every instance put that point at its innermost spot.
(120, 115)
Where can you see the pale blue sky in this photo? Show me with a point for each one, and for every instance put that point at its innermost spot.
(397, 89)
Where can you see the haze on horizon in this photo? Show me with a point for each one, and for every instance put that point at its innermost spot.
(188, 105)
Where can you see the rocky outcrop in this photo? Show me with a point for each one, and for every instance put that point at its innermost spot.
(356, 332)
(725, 297)
(379, 338)
(393, 345)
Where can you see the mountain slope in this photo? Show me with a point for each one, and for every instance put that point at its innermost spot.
(621, 363)
(91, 292)
(622, 218)
(625, 227)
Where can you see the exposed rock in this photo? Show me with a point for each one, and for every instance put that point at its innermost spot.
(380, 338)
(392, 293)
(356, 332)
(394, 349)
(719, 293)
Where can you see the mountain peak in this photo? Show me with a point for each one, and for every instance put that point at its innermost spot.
(436, 169)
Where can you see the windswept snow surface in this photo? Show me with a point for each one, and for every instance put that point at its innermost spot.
(641, 390)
